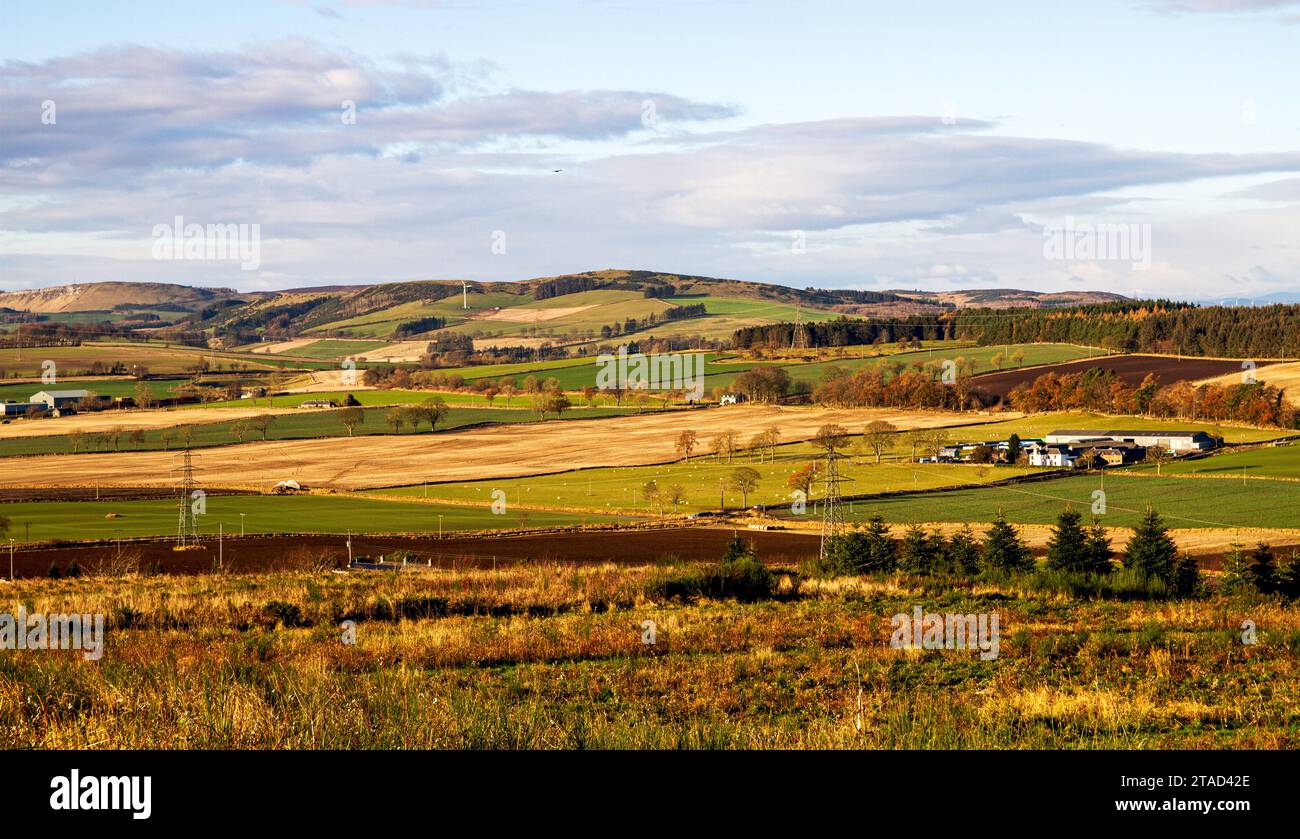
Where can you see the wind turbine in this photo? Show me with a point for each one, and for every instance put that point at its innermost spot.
(464, 294)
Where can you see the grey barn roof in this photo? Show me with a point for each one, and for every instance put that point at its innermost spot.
(1148, 432)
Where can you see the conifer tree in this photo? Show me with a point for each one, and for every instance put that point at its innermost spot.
(964, 551)
(917, 554)
(1003, 548)
(1236, 571)
(1151, 550)
(1067, 549)
(1099, 549)
(1187, 577)
(1263, 569)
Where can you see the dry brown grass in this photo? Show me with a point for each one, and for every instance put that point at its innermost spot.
(494, 452)
(1285, 376)
(551, 657)
(129, 420)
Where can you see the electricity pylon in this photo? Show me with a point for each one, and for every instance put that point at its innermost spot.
(832, 507)
(799, 337)
(187, 529)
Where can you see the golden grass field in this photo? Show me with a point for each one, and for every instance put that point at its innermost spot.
(548, 657)
(493, 452)
(1285, 376)
(128, 420)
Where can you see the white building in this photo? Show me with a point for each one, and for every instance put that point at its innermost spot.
(1058, 456)
(1178, 442)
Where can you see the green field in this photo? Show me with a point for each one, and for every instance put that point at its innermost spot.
(598, 308)
(619, 489)
(763, 310)
(382, 324)
(81, 520)
(103, 387)
(331, 348)
(310, 424)
(721, 368)
(1183, 502)
(1267, 462)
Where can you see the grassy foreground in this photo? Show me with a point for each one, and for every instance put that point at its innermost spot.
(553, 657)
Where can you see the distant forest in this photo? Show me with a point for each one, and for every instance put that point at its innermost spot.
(1159, 326)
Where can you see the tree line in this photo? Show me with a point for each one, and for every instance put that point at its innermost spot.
(1155, 326)
(1102, 391)
(1077, 555)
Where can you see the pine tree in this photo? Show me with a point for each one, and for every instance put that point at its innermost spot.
(1263, 569)
(1013, 449)
(1099, 549)
(917, 554)
(1003, 548)
(1187, 577)
(737, 549)
(881, 552)
(863, 551)
(1067, 550)
(964, 551)
(1151, 551)
(1236, 571)
(1288, 577)
(939, 561)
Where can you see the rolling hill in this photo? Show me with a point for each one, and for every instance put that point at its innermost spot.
(87, 297)
(564, 309)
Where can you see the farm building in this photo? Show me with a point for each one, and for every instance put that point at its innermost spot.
(1179, 442)
(319, 403)
(18, 409)
(53, 399)
(1052, 455)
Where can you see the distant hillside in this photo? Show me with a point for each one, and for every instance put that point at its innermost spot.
(93, 297)
(1011, 298)
(569, 308)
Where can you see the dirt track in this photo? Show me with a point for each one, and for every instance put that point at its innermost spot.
(493, 452)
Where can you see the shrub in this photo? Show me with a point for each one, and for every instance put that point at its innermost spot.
(1125, 584)
(746, 579)
(862, 551)
(284, 614)
(1187, 578)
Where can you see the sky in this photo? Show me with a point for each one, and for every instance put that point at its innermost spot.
(865, 145)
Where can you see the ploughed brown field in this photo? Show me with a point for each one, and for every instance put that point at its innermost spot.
(1131, 369)
(640, 546)
(266, 553)
(494, 452)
